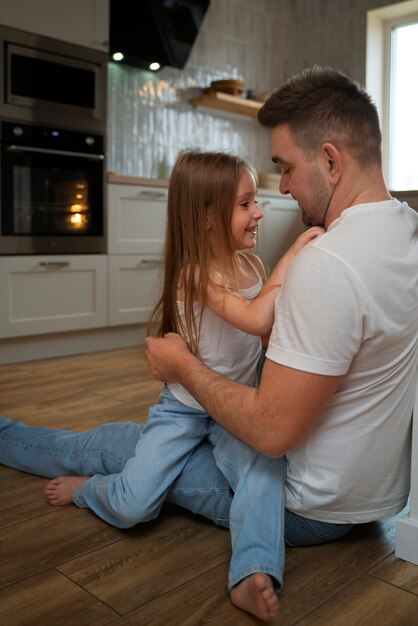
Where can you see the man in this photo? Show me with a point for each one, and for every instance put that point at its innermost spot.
(337, 389)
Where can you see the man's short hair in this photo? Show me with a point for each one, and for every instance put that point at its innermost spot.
(324, 105)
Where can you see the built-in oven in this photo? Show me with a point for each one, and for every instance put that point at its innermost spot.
(53, 135)
(52, 183)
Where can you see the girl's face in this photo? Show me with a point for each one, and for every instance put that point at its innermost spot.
(245, 214)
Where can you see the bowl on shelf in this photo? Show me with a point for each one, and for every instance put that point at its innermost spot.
(232, 86)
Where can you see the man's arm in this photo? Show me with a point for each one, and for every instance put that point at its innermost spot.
(273, 419)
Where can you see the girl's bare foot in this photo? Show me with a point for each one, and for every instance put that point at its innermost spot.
(256, 595)
(60, 490)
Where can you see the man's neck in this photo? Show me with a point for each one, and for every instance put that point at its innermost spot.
(368, 187)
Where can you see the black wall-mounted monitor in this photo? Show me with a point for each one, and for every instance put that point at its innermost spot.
(146, 31)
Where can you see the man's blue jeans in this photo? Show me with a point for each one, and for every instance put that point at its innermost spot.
(124, 492)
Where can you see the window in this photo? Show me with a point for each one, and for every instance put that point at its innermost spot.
(403, 107)
(392, 53)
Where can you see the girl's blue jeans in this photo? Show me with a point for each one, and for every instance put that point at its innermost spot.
(181, 456)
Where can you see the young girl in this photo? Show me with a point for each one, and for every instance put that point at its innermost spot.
(213, 295)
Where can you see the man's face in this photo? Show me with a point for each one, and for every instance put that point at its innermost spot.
(304, 179)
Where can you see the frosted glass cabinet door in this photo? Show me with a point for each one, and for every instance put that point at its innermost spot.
(279, 227)
(134, 282)
(136, 219)
(47, 294)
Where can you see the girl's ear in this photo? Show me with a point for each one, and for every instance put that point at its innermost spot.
(333, 161)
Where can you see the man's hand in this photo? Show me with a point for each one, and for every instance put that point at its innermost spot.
(167, 356)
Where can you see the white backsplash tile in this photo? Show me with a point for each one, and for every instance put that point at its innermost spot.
(259, 41)
(151, 120)
(150, 117)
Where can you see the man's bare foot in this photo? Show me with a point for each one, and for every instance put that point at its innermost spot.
(256, 595)
(60, 490)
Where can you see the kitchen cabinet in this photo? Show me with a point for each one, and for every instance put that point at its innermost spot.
(49, 294)
(136, 220)
(82, 22)
(46, 294)
(279, 227)
(136, 231)
(133, 287)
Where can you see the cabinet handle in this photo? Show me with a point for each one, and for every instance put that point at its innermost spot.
(265, 203)
(149, 264)
(152, 195)
(54, 265)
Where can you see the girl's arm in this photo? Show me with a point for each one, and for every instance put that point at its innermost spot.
(255, 316)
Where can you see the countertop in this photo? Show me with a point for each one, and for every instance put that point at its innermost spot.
(120, 179)
(134, 180)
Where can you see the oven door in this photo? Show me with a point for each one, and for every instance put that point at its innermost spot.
(51, 201)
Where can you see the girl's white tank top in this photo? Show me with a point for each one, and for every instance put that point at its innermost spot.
(224, 348)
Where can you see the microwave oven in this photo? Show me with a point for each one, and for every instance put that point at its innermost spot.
(52, 82)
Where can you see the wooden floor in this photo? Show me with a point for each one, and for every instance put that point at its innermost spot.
(64, 566)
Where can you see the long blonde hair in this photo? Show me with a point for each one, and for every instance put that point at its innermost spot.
(200, 182)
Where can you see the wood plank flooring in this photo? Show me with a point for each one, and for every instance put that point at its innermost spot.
(64, 566)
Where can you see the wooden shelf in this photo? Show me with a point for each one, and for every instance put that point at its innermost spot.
(225, 102)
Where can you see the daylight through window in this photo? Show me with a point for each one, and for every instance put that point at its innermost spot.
(403, 118)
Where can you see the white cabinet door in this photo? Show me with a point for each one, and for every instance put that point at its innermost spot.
(136, 219)
(46, 294)
(134, 284)
(278, 229)
(82, 22)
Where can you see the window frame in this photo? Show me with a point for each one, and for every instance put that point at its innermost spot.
(380, 23)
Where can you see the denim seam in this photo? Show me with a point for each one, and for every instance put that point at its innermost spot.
(28, 446)
(274, 572)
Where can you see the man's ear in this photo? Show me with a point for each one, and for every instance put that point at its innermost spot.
(333, 161)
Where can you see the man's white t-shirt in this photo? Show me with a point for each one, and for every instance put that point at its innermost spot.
(349, 305)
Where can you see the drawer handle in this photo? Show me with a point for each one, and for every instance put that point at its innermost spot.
(149, 264)
(152, 195)
(54, 265)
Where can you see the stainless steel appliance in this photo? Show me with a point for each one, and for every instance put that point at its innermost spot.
(51, 190)
(52, 146)
(47, 81)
